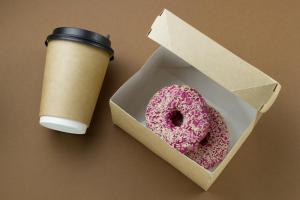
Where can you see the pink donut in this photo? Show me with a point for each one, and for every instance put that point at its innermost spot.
(213, 148)
(179, 115)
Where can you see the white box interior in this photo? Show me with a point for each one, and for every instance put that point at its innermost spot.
(164, 68)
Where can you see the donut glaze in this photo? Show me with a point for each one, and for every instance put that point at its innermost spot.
(179, 115)
(213, 148)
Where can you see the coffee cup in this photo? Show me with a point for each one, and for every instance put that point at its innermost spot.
(75, 67)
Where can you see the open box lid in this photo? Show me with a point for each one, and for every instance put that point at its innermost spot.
(218, 63)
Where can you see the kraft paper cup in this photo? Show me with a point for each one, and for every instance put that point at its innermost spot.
(76, 64)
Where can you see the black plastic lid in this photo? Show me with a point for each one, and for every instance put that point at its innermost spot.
(84, 36)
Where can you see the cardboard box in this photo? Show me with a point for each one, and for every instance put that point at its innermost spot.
(239, 91)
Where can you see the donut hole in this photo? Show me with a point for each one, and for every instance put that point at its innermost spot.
(176, 118)
(204, 141)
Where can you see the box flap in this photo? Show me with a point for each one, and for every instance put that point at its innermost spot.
(218, 63)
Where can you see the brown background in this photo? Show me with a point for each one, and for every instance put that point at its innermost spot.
(36, 163)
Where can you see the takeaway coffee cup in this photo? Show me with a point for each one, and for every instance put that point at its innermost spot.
(76, 64)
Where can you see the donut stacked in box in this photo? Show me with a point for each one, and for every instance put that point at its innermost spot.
(180, 116)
